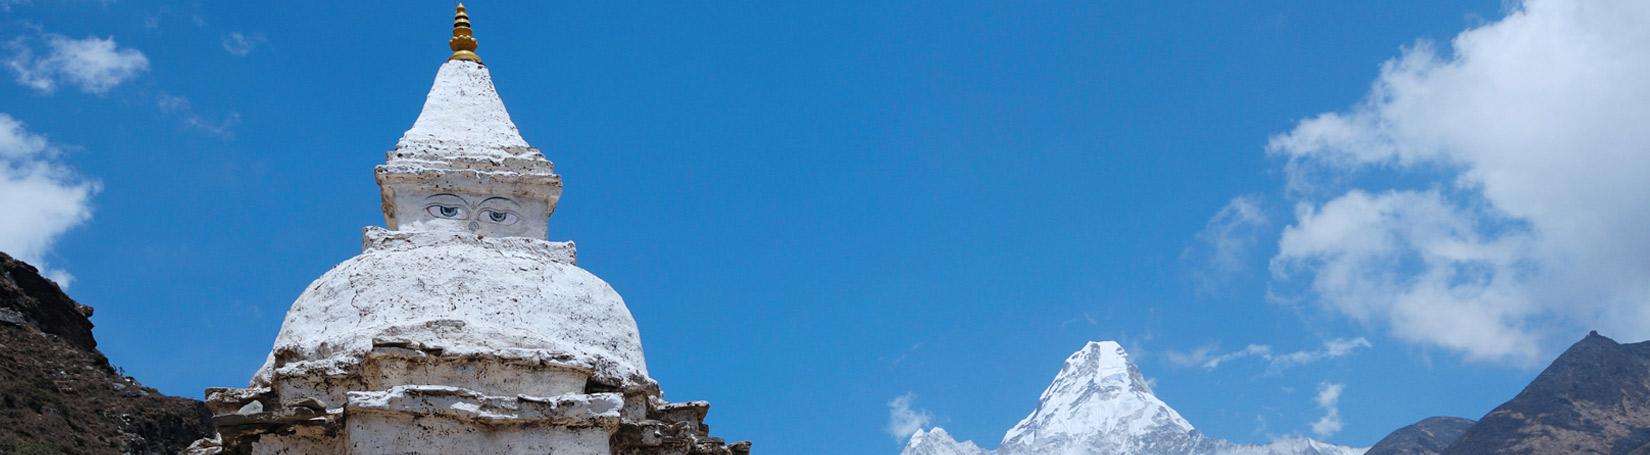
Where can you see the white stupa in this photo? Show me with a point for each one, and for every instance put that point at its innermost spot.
(459, 329)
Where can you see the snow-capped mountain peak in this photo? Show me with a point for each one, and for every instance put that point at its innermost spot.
(1102, 361)
(1098, 397)
(1100, 404)
(938, 442)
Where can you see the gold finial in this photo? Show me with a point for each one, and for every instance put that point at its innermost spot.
(464, 45)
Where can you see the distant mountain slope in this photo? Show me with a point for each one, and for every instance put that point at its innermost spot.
(58, 394)
(1427, 437)
(1099, 404)
(1593, 399)
(938, 442)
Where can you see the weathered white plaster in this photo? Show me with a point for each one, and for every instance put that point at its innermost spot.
(463, 116)
(391, 434)
(464, 143)
(303, 441)
(459, 329)
(599, 410)
(485, 374)
(459, 295)
(497, 213)
(447, 420)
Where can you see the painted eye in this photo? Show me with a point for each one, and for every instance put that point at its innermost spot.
(442, 211)
(504, 218)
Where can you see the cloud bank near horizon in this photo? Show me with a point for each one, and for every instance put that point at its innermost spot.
(1488, 197)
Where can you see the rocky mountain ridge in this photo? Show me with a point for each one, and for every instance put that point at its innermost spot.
(1593, 399)
(1427, 437)
(58, 394)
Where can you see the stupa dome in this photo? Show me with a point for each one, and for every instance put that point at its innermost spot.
(512, 304)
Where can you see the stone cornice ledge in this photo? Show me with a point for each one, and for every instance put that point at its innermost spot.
(376, 239)
(573, 410)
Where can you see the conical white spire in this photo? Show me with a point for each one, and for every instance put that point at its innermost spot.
(464, 144)
(464, 116)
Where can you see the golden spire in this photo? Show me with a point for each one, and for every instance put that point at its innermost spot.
(464, 45)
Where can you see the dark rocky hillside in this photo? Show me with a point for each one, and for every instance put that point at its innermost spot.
(1593, 399)
(1427, 437)
(58, 394)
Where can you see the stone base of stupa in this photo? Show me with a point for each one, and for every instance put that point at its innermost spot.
(418, 420)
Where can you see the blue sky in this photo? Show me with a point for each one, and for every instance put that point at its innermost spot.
(813, 211)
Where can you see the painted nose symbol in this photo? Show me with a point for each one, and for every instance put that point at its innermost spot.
(474, 225)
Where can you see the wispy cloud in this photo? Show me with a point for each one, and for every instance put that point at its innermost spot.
(95, 65)
(178, 105)
(1328, 399)
(1221, 249)
(42, 197)
(1208, 358)
(239, 44)
(1531, 132)
(896, 360)
(1192, 358)
(1339, 347)
(903, 421)
(1253, 350)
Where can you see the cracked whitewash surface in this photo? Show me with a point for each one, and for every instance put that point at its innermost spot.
(459, 329)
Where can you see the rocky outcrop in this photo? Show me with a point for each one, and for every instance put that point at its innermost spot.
(1427, 437)
(58, 394)
(1593, 399)
(33, 301)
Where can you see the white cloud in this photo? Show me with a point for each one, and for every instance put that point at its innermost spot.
(41, 197)
(1195, 357)
(1252, 350)
(1532, 131)
(1205, 356)
(239, 44)
(95, 65)
(5, 5)
(179, 105)
(1219, 250)
(1339, 347)
(904, 421)
(1328, 399)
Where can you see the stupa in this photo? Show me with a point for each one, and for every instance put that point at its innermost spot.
(459, 328)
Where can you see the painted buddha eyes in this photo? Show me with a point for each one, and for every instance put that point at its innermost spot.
(494, 216)
(499, 217)
(444, 211)
(495, 211)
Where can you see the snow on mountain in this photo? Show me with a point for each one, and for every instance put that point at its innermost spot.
(938, 442)
(1100, 404)
(1285, 446)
